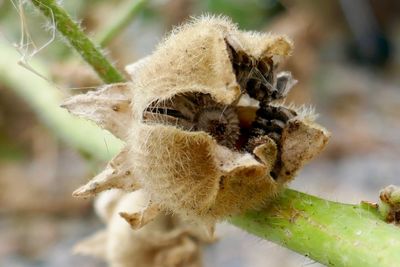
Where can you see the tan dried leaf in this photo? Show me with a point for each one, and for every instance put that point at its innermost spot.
(117, 174)
(108, 106)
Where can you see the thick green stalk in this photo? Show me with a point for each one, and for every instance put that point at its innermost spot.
(78, 39)
(331, 233)
(120, 21)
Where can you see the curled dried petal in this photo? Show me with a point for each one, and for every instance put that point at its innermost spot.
(138, 219)
(117, 174)
(301, 141)
(108, 106)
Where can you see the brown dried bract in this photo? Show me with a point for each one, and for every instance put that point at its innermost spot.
(390, 197)
(206, 133)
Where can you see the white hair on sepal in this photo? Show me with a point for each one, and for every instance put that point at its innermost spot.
(307, 112)
(303, 112)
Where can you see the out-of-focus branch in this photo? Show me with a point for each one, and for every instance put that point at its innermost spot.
(120, 21)
(79, 41)
(44, 99)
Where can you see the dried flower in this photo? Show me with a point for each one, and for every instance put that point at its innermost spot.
(165, 242)
(207, 135)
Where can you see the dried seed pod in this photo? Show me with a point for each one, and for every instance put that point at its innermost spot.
(191, 144)
(166, 241)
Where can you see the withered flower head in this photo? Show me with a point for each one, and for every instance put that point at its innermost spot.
(166, 241)
(206, 133)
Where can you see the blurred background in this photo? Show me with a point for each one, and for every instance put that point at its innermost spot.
(346, 59)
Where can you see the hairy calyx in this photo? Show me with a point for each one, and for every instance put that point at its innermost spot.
(222, 151)
(200, 112)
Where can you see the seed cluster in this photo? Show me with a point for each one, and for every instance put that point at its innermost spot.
(197, 112)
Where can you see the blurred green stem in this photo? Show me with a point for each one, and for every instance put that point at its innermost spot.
(44, 99)
(78, 39)
(121, 20)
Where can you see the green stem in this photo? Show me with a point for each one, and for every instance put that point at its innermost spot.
(122, 19)
(44, 99)
(331, 233)
(77, 38)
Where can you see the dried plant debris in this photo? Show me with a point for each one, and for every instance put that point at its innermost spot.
(390, 204)
(164, 242)
(207, 134)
